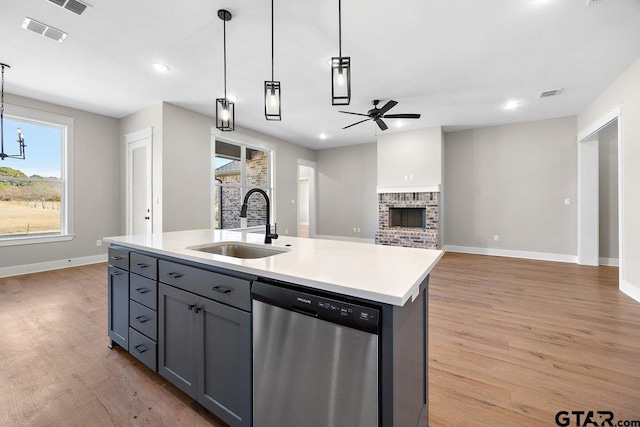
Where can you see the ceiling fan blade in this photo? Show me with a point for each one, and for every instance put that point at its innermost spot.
(355, 114)
(388, 106)
(382, 125)
(401, 116)
(356, 123)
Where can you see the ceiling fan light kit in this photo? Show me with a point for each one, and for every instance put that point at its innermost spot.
(340, 70)
(225, 114)
(272, 99)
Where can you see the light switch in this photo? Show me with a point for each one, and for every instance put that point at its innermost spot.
(567, 201)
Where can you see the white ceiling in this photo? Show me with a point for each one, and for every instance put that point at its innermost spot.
(457, 62)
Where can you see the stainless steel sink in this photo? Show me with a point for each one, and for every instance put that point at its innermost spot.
(238, 250)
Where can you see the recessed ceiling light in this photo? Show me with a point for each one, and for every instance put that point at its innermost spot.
(162, 68)
(323, 136)
(511, 105)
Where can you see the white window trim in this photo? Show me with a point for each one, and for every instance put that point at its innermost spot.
(250, 142)
(67, 216)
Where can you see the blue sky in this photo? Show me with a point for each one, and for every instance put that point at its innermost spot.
(43, 151)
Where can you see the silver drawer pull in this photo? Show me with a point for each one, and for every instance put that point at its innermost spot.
(174, 275)
(141, 265)
(142, 319)
(143, 290)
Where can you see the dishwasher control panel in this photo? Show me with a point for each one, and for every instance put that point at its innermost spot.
(333, 310)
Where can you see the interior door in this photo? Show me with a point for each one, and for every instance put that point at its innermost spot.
(139, 183)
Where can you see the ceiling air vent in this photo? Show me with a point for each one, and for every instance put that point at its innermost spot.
(548, 93)
(44, 29)
(74, 6)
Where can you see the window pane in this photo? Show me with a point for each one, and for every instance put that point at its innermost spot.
(30, 207)
(227, 163)
(256, 168)
(228, 203)
(30, 202)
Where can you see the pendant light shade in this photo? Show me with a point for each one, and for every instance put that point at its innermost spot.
(225, 114)
(340, 70)
(20, 140)
(272, 100)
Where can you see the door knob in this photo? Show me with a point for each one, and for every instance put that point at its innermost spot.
(147, 217)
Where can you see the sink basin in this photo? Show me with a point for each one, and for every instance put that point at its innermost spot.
(238, 250)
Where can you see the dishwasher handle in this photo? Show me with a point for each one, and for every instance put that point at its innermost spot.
(305, 311)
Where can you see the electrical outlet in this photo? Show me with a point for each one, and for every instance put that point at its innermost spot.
(410, 177)
(496, 238)
(354, 229)
(567, 201)
(286, 231)
(406, 177)
(293, 202)
(358, 229)
(98, 242)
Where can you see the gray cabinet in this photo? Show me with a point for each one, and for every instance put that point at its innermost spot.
(205, 350)
(118, 297)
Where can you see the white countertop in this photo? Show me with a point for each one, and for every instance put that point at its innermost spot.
(385, 274)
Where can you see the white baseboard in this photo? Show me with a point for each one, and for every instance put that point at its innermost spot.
(542, 256)
(611, 262)
(343, 238)
(51, 265)
(632, 290)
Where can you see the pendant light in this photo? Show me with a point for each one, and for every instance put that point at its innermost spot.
(225, 117)
(20, 135)
(272, 110)
(340, 70)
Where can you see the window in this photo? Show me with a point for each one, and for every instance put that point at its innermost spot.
(238, 168)
(35, 193)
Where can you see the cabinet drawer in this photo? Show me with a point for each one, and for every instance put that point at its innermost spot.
(229, 290)
(143, 319)
(119, 258)
(143, 349)
(144, 291)
(144, 265)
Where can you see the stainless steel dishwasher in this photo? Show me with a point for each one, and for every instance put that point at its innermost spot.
(315, 360)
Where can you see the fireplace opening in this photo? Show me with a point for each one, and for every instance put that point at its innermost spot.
(408, 217)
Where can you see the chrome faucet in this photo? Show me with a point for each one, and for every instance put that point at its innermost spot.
(243, 213)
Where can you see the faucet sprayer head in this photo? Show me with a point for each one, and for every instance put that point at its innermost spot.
(243, 211)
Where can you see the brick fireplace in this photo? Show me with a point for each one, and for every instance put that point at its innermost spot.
(409, 219)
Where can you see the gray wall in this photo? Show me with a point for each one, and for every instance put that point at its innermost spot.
(511, 181)
(96, 188)
(625, 90)
(416, 154)
(347, 191)
(186, 169)
(608, 192)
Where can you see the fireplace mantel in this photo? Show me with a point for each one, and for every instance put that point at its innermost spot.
(409, 189)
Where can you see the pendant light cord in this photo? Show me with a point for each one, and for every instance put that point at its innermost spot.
(224, 38)
(272, 74)
(339, 28)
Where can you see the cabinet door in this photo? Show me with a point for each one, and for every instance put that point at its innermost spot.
(224, 361)
(176, 337)
(118, 306)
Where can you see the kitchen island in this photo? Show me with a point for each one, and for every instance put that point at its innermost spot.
(187, 312)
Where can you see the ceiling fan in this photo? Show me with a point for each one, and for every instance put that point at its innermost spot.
(377, 114)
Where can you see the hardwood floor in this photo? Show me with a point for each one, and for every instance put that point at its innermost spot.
(56, 368)
(512, 342)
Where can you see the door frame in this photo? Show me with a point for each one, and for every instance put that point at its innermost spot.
(588, 167)
(312, 196)
(139, 139)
